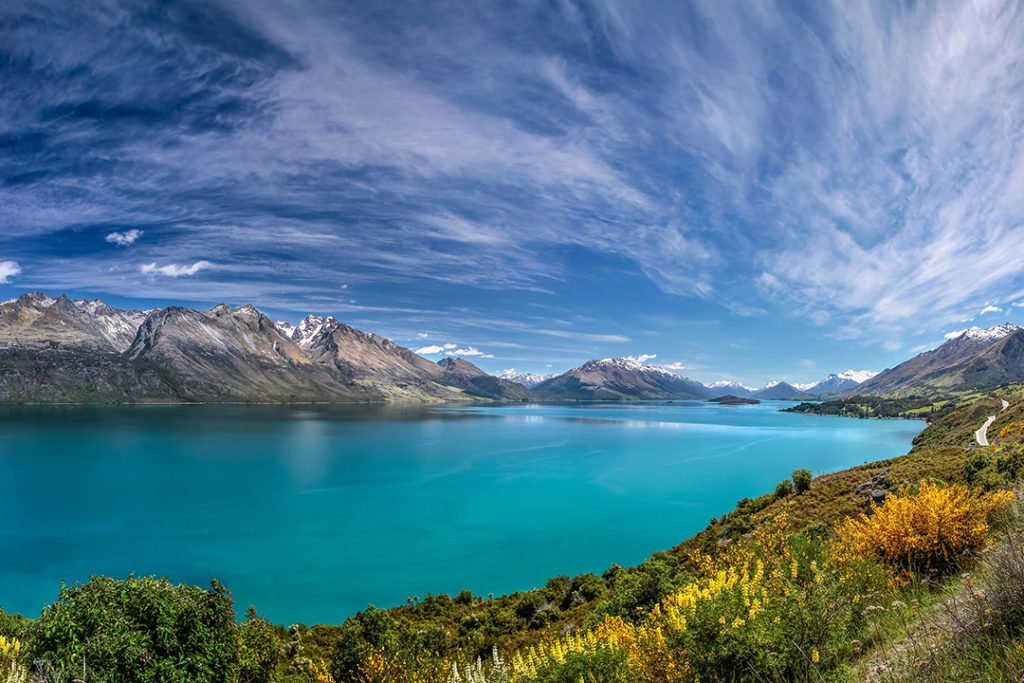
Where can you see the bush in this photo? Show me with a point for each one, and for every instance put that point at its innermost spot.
(590, 586)
(140, 630)
(639, 588)
(258, 649)
(371, 629)
(12, 625)
(603, 665)
(802, 480)
(13, 662)
(781, 607)
(784, 488)
(530, 604)
(930, 528)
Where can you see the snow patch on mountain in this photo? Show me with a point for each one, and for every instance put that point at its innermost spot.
(726, 384)
(988, 334)
(303, 333)
(857, 376)
(627, 363)
(527, 379)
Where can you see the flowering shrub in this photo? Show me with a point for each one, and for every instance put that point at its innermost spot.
(321, 673)
(931, 527)
(12, 667)
(775, 608)
(779, 607)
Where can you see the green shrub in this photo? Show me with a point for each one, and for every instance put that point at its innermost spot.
(606, 665)
(530, 604)
(784, 488)
(641, 587)
(140, 630)
(373, 628)
(11, 625)
(802, 480)
(590, 586)
(258, 649)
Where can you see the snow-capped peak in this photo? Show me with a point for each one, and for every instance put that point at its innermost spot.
(991, 333)
(857, 376)
(303, 333)
(802, 386)
(627, 363)
(527, 379)
(726, 384)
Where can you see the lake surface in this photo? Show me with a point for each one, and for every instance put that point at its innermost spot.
(310, 513)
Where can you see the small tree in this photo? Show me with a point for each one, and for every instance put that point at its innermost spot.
(258, 649)
(784, 488)
(802, 480)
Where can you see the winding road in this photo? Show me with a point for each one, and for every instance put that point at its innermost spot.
(981, 436)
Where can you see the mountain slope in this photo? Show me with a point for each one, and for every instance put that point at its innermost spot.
(38, 321)
(59, 350)
(620, 379)
(461, 373)
(234, 354)
(777, 391)
(527, 379)
(727, 388)
(936, 369)
(840, 382)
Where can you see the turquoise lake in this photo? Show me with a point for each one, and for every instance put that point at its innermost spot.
(311, 513)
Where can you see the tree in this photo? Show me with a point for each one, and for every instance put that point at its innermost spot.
(784, 488)
(802, 480)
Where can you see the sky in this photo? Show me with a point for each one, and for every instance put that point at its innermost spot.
(737, 190)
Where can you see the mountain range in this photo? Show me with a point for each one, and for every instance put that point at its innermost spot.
(974, 359)
(63, 350)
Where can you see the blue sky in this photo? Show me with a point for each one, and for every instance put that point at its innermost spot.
(745, 190)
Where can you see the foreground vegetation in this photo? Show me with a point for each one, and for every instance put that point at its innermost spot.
(905, 569)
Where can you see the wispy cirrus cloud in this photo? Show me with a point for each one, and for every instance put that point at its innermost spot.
(854, 166)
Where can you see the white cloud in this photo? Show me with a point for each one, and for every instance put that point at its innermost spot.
(422, 335)
(1019, 304)
(990, 309)
(173, 269)
(8, 269)
(643, 357)
(123, 239)
(435, 348)
(677, 366)
(468, 351)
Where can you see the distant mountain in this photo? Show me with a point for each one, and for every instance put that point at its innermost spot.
(34, 320)
(620, 379)
(461, 373)
(777, 391)
(727, 388)
(59, 350)
(235, 354)
(527, 379)
(839, 382)
(942, 368)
